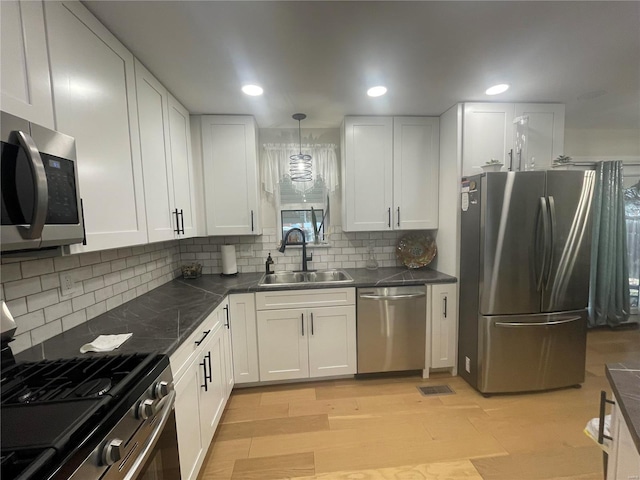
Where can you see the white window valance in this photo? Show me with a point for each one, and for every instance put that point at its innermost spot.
(275, 165)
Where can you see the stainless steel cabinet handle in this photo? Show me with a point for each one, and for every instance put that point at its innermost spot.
(41, 190)
(389, 213)
(536, 324)
(302, 323)
(392, 297)
(398, 216)
(445, 307)
(227, 323)
(252, 220)
(311, 323)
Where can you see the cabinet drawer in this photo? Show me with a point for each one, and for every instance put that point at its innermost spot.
(181, 358)
(326, 297)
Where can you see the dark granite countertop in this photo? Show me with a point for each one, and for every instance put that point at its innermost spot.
(625, 382)
(162, 318)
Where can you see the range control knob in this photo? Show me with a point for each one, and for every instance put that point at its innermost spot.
(112, 451)
(146, 409)
(162, 389)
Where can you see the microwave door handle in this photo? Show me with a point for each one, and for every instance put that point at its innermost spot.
(41, 195)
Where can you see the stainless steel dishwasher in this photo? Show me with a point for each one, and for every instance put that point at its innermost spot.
(391, 324)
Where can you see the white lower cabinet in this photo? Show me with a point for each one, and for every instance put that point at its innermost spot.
(443, 311)
(201, 374)
(244, 337)
(313, 342)
(624, 459)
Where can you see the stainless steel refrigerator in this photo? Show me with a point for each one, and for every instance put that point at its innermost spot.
(524, 279)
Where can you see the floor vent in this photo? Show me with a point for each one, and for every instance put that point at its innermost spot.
(435, 390)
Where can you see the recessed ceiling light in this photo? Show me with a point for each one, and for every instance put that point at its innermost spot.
(496, 89)
(377, 91)
(253, 90)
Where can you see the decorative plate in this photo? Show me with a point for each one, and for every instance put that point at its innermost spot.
(416, 250)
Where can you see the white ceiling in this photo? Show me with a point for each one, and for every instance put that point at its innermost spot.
(320, 57)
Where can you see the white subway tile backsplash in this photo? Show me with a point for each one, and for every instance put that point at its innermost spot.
(10, 272)
(93, 284)
(40, 334)
(66, 263)
(58, 310)
(29, 321)
(18, 306)
(22, 288)
(83, 301)
(41, 300)
(74, 319)
(97, 309)
(49, 281)
(34, 268)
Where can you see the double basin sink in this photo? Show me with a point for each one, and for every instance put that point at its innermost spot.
(311, 277)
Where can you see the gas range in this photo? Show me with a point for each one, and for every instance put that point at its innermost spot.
(90, 417)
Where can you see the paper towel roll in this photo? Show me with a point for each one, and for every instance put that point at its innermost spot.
(229, 266)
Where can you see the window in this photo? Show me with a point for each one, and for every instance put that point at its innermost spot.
(294, 209)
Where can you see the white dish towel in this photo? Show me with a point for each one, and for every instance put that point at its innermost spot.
(105, 343)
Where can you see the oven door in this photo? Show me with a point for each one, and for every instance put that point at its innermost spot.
(152, 454)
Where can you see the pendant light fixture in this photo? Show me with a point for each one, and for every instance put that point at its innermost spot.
(300, 164)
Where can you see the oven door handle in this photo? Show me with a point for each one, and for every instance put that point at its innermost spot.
(152, 440)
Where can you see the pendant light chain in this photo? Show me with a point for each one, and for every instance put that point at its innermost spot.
(300, 164)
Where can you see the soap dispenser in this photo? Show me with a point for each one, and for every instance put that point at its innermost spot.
(268, 264)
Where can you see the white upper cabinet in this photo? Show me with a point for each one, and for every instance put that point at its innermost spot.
(490, 130)
(416, 155)
(545, 130)
(230, 159)
(25, 85)
(182, 167)
(94, 94)
(166, 159)
(367, 175)
(487, 133)
(153, 119)
(390, 173)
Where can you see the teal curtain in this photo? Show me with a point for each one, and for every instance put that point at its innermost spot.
(609, 283)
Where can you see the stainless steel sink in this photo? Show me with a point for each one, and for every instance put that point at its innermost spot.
(297, 278)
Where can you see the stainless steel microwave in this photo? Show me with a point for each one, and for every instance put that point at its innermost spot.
(41, 204)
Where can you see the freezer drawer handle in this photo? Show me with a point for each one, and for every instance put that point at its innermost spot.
(392, 297)
(536, 324)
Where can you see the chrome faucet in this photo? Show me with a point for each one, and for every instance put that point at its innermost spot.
(305, 259)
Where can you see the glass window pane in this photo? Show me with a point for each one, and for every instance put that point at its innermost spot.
(301, 219)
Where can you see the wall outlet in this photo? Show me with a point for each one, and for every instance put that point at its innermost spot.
(67, 283)
(467, 364)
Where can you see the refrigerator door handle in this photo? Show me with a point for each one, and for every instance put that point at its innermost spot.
(537, 324)
(541, 258)
(552, 237)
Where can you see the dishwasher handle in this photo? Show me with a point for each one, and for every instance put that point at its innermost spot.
(372, 296)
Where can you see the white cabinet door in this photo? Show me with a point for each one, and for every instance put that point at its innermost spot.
(332, 341)
(367, 192)
(282, 344)
(182, 167)
(487, 133)
(229, 155)
(624, 459)
(95, 102)
(213, 395)
(545, 131)
(153, 121)
(244, 338)
(187, 408)
(444, 325)
(25, 86)
(416, 160)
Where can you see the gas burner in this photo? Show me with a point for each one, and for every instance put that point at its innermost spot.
(94, 388)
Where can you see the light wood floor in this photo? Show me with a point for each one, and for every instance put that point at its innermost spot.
(384, 429)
